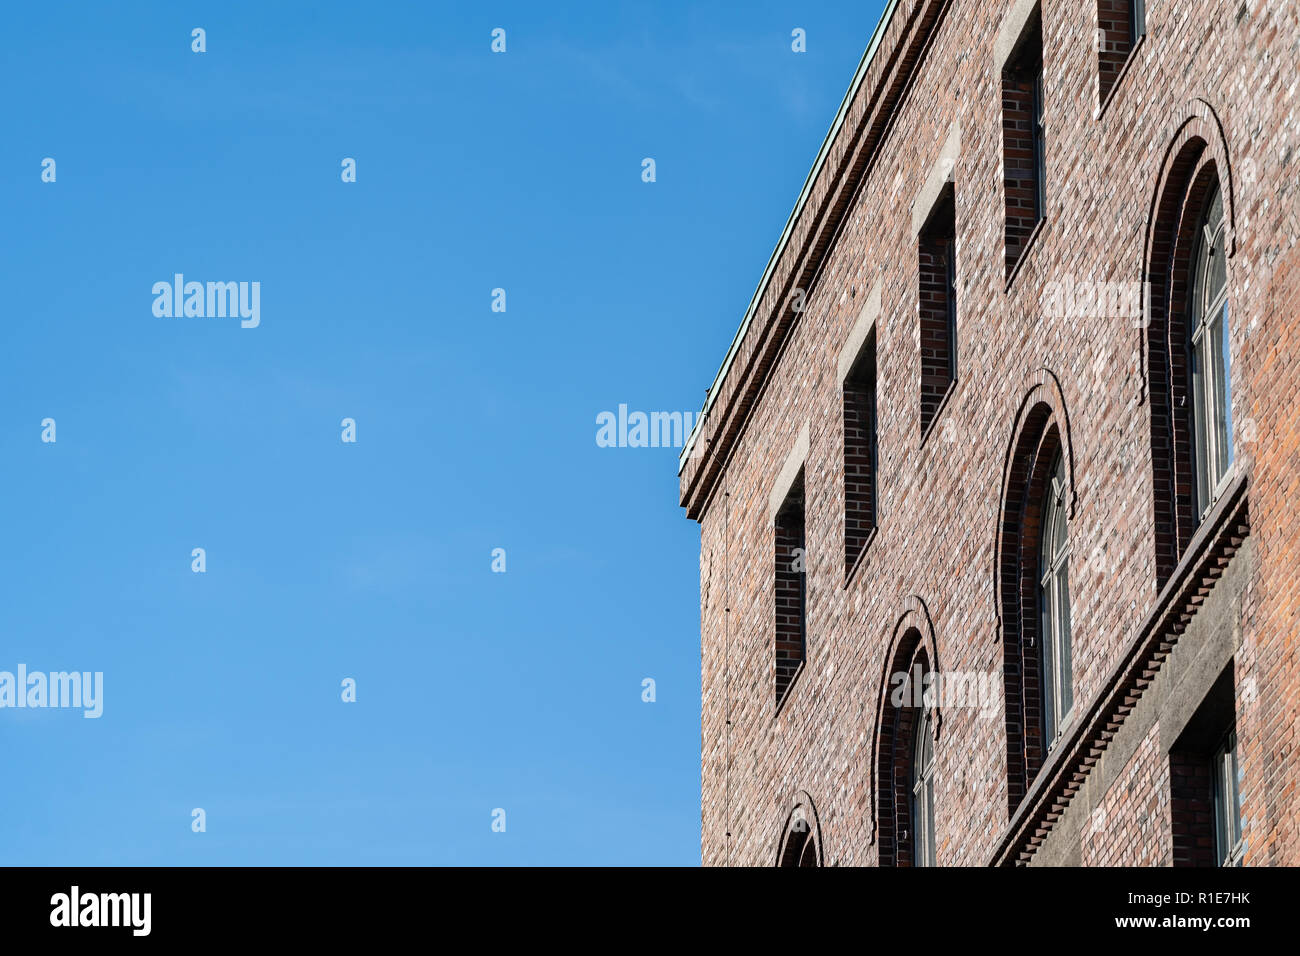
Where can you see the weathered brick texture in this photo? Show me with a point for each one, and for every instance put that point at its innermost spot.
(1160, 603)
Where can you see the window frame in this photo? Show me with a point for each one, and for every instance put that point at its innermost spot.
(1137, 11)
(1210, 360)
(921, 787)
(950, 280)
(1039, 140)
(1054, 609)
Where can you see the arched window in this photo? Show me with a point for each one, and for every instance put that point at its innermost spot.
(1054, 603)
(922, 836)
(1190, 240)
(1033, 585)
(1210, 357)
(904, 756)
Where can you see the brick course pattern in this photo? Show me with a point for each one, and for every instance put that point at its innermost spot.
(1160, 602)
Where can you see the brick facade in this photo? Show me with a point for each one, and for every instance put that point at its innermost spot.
(927, 558)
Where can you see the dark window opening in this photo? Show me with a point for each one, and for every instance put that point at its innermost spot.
(860, 454)
(1209, 357)
(800, 848)
(1024, 153)
(1055, 655)
(921, 837)
(938, 307)
(791, 594)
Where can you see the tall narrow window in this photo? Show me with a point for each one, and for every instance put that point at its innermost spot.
(1210, 357)
(1188, 347)
(1040, 146)
(1024, 153)
(791, 593)
(860, 454)
(938, 307)
(923, 790)
(1227, 802)
(1034, 590)
(1054, 600)
(904, 755)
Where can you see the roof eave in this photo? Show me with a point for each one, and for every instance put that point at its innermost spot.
(772, 261)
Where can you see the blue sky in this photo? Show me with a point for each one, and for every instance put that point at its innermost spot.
(475, 429)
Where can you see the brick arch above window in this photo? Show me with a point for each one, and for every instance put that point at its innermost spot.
(1199, 124)
(800, 839)
(1193, 138)
(1042, 388)
(911, 636)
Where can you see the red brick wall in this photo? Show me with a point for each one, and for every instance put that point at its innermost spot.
(1270, 738)
(1191, 811)
(939, 502)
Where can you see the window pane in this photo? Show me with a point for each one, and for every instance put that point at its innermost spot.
(1227, 802)
(1234, 805)
(922, 792)
(1063, 639)
(1055, 597)
(1214, 214)
(1198, 416)
(1198, 283)
(929, 823)
(1059, 532)
(1046, 637)
(1216, 418)
(1217, 275)
(1223, 392)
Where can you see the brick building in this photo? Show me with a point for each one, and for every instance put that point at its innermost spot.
(996, 483)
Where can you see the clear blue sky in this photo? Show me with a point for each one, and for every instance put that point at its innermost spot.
(475, 429)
